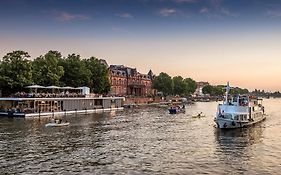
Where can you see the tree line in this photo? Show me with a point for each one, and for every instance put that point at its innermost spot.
(173, 85)
(17, 71)
(219, 90)
(263, 93)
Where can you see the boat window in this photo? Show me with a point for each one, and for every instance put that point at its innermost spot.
(228, 116)
(235, 98)
(236, 117)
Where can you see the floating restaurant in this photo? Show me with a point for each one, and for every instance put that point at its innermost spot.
(62, 103)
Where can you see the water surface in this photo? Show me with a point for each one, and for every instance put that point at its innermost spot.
(142, 141)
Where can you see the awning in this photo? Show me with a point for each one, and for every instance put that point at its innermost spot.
(34, 86)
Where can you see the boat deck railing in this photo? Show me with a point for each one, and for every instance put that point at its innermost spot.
(46, 95)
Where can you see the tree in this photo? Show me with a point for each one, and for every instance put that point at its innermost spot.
(163, 83)
(75, 72)
(46, 70)
(99, 81)
(208, 89)
(191, 86)
(180, 86)
(238, 90)
(15, 72)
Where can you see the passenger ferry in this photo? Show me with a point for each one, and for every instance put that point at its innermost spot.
(239, 111)
(57, 104)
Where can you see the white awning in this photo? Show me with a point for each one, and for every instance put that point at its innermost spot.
(34, 86)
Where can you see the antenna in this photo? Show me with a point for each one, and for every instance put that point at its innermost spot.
(227, 92)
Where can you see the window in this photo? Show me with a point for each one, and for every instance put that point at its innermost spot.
(228, 116)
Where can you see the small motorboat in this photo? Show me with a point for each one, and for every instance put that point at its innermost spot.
(176, 110)
(57, 124)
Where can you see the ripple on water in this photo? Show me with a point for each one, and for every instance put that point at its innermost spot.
(141, 141)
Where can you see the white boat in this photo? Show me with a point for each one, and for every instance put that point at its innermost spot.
(57, 124)
(239, 111)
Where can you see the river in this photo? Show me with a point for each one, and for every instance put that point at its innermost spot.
(142, 141)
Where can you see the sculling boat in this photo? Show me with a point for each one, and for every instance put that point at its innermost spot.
(239, 111)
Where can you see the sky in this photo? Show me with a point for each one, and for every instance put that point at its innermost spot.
(208, 40)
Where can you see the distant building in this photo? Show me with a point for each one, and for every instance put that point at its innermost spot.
(128, 81)
(199, 87)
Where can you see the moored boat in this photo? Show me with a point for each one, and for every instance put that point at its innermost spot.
(239, 111)
(11, 113)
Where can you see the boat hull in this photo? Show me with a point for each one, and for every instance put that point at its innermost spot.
(56, 124)
(176, 111)
(232, 124)
(12, 114)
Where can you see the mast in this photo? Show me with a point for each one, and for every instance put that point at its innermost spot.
(227, 92)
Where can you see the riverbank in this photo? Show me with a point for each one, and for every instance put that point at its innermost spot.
(164, 102)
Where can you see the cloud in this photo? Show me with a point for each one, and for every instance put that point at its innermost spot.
(273, 13)
(125, 15)
(65, 16)
(168, 12)
(216, 10)
(204, 10)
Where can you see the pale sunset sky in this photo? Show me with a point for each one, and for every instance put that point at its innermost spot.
(208, 40)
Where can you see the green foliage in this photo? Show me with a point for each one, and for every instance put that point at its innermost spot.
(51, 69)
(180, 86)
(163, 83)
(15, 72)
(238, 90)
(173, 86)
(75, 72)
(220, 90)
(213, 90)
(191, 86)
(208, 89)
(99, 76)
(46, 70)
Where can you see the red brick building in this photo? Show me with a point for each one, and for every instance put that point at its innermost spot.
(128, 81)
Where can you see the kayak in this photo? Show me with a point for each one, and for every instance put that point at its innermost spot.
(198, 116)
(56, 124)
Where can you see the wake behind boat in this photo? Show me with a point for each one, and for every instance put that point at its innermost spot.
(239, 111)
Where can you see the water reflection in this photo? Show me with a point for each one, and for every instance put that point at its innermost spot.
(235, 147)
(243, 136)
